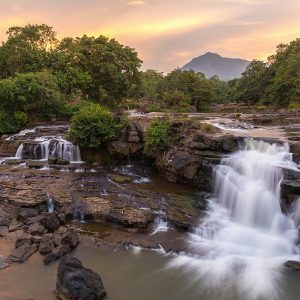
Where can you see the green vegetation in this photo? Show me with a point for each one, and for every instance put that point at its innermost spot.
(93, 126)
(43, 78)
(157, 136)
(276, 82)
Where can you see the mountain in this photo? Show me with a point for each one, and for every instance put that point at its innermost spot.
(212, 64)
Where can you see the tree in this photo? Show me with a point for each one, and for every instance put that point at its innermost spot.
(27, 49)
(112, 67)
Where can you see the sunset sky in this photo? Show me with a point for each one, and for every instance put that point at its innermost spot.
(167, 33)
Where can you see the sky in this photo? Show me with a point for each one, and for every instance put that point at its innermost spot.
(167, 33)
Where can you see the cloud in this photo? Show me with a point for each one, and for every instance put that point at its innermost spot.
(136, 2)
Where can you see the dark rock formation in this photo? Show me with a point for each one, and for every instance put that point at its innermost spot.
(75, 282)
(23, 253)
(46, 244)
(26, 213)
(52, 222)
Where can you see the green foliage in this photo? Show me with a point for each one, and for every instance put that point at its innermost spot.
(35, 94)
(94, 126)
(208, 128)
(157, 136)
(11, 123)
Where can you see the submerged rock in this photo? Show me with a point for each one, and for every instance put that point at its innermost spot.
(76, 282)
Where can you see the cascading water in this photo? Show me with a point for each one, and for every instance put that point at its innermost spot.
(50, 204)
(240, 246)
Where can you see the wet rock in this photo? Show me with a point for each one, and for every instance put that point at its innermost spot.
(22, 242)
(3, 231)
(26, 213)
(56, 254)
(120, 179)
(293, 265)
(3, 262)
(70, 238)
(57, 161)
(36, 229)
(23, 253)
(52, 222)
(76, 282)
(290, 191)
(62, 218)
(46, 244)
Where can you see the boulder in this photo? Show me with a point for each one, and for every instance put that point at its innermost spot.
(56, 254)
(293, 265)
(77, 282)
(36, 219)
(22, 242)
(3, 231)
(5, 218)
(46, 244)
(57, 161)
(70, 238)
(36, 229)
(26, 213)
(14, 226)
(23, 253)
(52, 222)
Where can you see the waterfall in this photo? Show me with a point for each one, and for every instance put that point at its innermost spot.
(19, 151)
(240, 246)
(66, 150)
(55, 147)
(50, 204)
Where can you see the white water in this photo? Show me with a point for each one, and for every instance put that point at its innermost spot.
(55, 147)
(240, 246)
(50, 204)
(160, 225)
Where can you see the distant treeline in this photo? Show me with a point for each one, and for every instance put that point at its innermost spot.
(42, 78)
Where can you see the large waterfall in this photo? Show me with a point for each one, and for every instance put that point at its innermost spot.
(238, 249)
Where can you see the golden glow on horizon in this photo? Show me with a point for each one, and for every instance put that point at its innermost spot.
(167, 33)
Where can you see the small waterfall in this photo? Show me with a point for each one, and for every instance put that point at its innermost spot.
(160, 225)
(78, 211)
(66, 150)
(240, 246)
(50, 204)
(19, 151)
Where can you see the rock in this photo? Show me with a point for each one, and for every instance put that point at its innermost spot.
(294, 265)
(5, 218)
(46, 244)
(14, 226)
(76, 282)
(36, 229)
(57, 161)
(26, 213)
(3, 262)
(56, 254)
(23, 242)
(62, 218)
(52, 222)
(36, 219)
(290, 191)
(23, 253)
(120, 179)
(3, 231)
(70, 238)
(57, 237)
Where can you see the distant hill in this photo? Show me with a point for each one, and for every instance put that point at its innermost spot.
(212, 64)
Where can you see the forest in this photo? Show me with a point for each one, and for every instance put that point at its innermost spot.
(44, 78)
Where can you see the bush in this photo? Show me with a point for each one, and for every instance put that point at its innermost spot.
(94, 126)
(12, 123)
(206, 127)
(157, 136)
